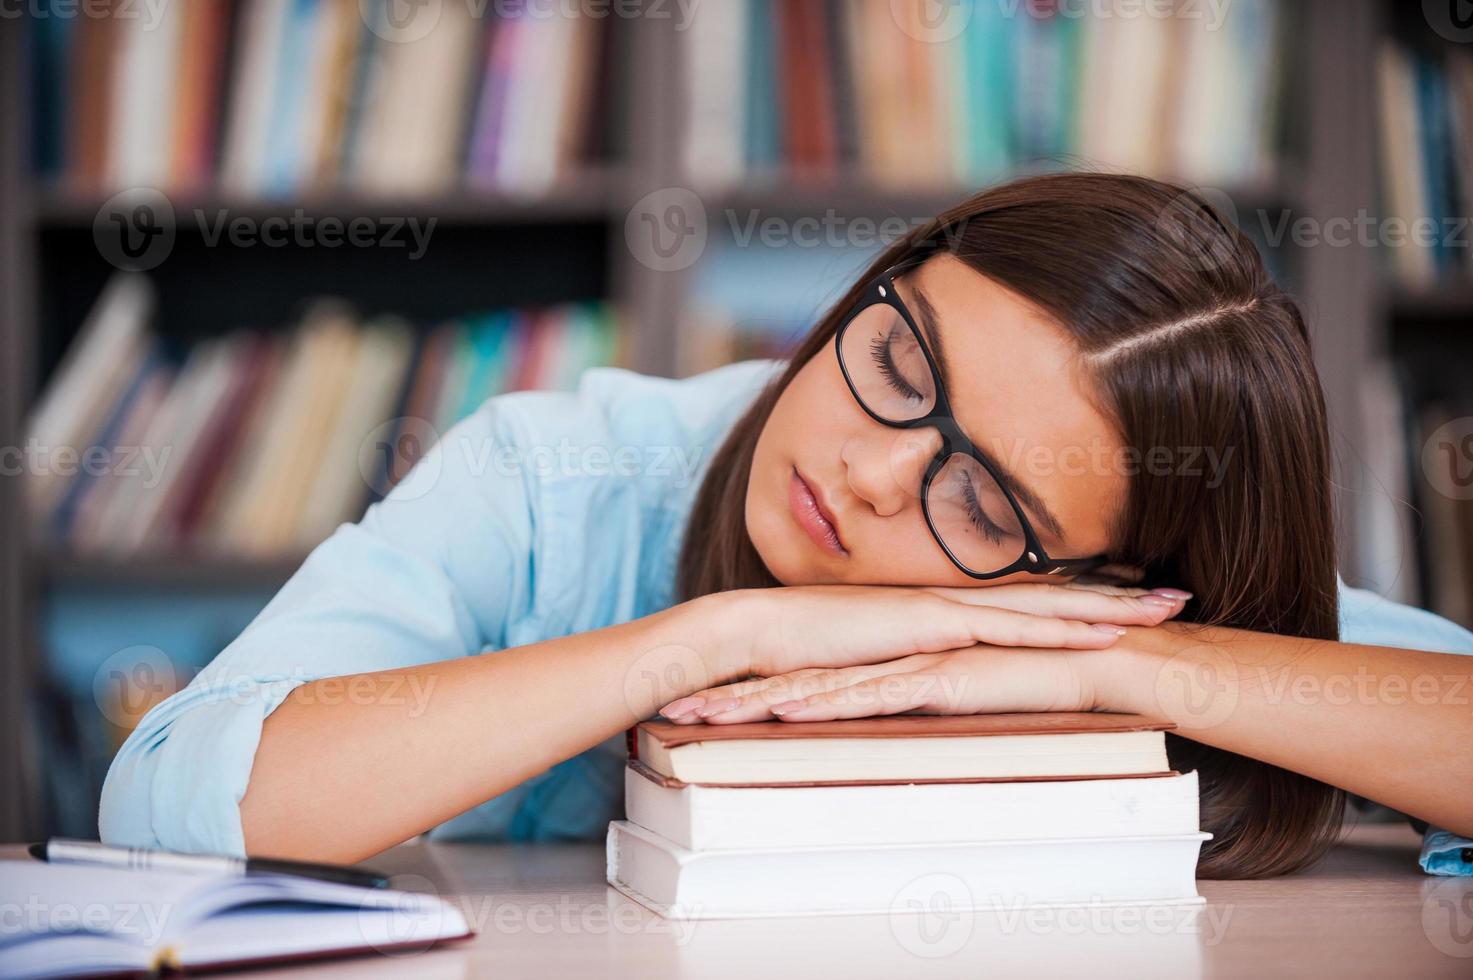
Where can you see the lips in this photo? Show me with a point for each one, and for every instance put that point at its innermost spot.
(815, 520)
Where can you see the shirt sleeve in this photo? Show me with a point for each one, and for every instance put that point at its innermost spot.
(1366, 617)
(430, 573)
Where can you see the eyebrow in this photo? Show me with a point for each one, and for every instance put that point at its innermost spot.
(1026, 497)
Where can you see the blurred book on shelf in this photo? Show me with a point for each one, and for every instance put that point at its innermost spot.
(1443, 444)
(750, 302)
(1417, 545)
(1425, 125)
(894, 95)
(257, 444)
(283, 97)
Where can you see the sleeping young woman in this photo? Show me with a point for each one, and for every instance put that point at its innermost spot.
(1055, 377)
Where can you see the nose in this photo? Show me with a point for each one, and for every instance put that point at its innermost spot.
(885, 468)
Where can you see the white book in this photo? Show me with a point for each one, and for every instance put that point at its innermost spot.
(529, 131)
(679, 883)
(412, 130)
(125, 920)
(1125, 91)
(133, 505)
(715, 64)
(704, 818)
(248, 126)
(1403, 168)
(339, 488)
(1223, 103)
(202, 384)
(143, 98)
(334, 25)
(93, 373)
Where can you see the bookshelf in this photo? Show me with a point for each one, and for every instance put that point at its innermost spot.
(19, 812)
(50, 272)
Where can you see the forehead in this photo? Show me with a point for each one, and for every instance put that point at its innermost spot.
(1019, 391)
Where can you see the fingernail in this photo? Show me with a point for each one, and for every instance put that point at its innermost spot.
(787, 706)
(717, 707)
(1159, 601)
(1107, 628)
(681, 706)
(1173, 594)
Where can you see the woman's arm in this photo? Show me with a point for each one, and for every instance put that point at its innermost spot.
(347, 766)
(1393, 725)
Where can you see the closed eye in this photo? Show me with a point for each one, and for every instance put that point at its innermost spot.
(979, 516)
(884, 359)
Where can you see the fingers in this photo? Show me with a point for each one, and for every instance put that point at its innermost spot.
(696, 707)
(1106, 604)
(866, 699)
(1009, 628)
(752, 700)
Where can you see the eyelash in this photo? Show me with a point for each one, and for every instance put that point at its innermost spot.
(979, 516)
(880, 350)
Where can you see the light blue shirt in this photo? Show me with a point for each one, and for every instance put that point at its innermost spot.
(541, 515)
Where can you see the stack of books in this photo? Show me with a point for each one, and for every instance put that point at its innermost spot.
(998, 812)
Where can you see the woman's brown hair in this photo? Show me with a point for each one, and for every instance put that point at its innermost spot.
(1192, 345)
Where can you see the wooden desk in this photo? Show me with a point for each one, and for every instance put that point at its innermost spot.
(544, 911)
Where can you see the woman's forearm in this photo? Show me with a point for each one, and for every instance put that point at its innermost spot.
(1392, 725)
(349, 766)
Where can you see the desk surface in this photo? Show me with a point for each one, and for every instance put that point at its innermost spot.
(544, 911)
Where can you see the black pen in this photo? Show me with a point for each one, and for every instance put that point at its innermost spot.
(62, 850)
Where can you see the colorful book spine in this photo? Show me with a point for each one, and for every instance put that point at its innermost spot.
(254, 443)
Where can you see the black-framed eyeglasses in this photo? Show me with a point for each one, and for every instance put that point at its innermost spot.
(972, 513)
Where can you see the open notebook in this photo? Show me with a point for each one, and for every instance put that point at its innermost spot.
(76, 920)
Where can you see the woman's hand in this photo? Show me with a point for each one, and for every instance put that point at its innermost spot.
(885, 630)
(960, 682)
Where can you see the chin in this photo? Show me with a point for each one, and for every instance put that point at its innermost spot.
(774, 539)
(767, 539)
